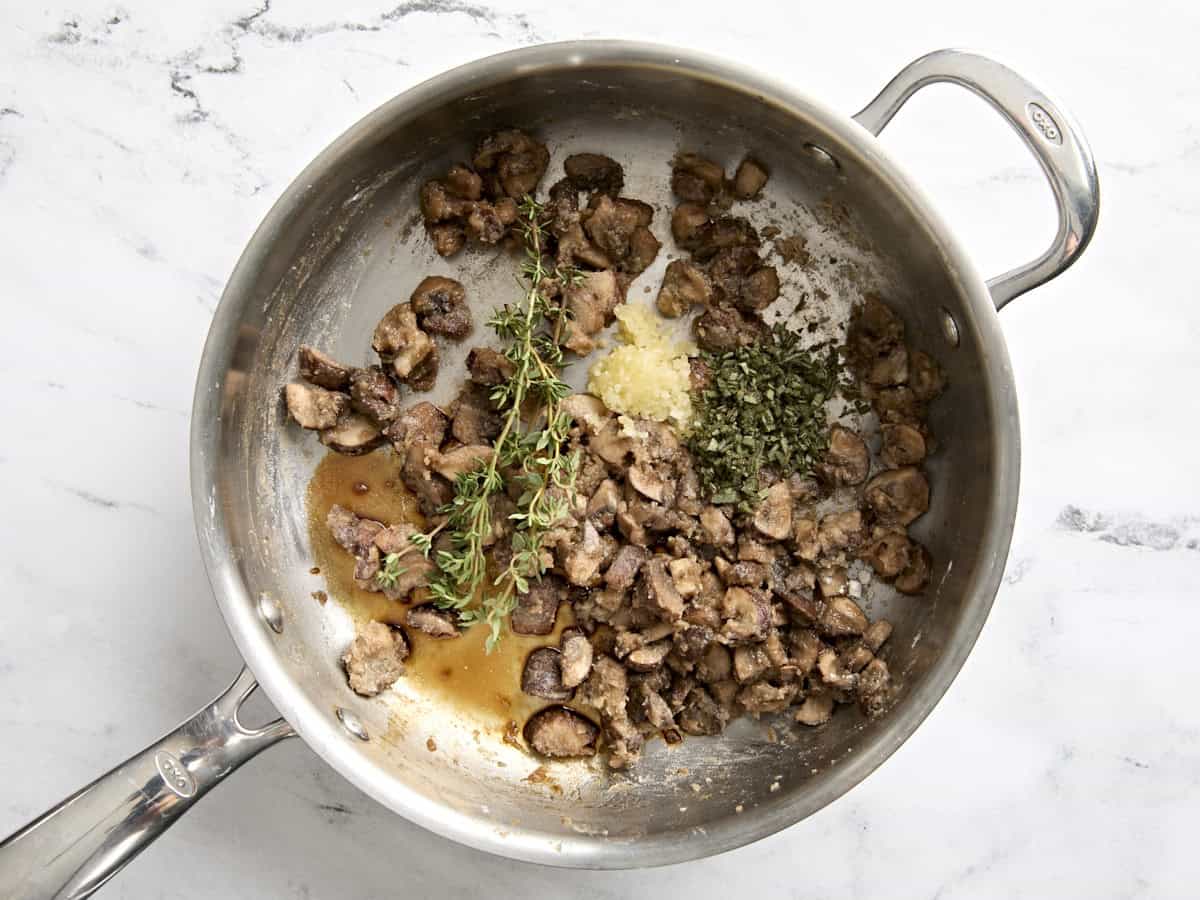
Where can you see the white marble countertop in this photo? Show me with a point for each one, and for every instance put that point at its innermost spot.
(141, 143)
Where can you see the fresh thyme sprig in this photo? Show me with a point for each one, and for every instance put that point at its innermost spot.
(535, 453)
(390, 571)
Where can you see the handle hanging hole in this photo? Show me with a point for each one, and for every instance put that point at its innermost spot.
(352, 724)
(822, 156)
(949, 328)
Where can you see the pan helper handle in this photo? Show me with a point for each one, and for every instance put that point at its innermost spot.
(73, 849)
(1048, 131)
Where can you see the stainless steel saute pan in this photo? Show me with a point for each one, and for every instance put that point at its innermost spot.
(343, 244)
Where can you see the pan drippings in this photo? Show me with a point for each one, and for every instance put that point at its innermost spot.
(456, 670)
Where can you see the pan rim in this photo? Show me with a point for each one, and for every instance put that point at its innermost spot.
(319, 729)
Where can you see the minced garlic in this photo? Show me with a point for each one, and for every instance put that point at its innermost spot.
(648, 374)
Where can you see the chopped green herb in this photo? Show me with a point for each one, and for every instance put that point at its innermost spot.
(764, 408)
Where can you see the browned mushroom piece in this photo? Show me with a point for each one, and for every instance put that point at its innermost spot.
(656, 591)
(448, 238)
(424, 374)
(898, 496)
(796, 589)
(511, 163)
(695, 178)
(898, 404)
(686, 222)
(722, 328)
(750, 662)
(489, 367)
(437, 623)
(746, 613)
(855, 656)
(842, 617)
(889, 368)
(763, 697)
(655, 709)
(806, 542)
(925, 376)
(485, 223)
(701, 714)
(400, 342)
(874, 683)
(643, 250)
(538, 607)
(687, 574)
(817, 708)
(750, 179)
(473, 417)
(877, 634)
(375, 395)
(322, 369)
(829, 667)
(607, 691)
(461, 460)
(314, 407)
(648, 657)
(715, 665)
(590, 304)
(903, 445)
(352, 533)
(832, 581)
(441, 307)
(594, 172)
(623, 571)
(353, 435)
(915, 576)
(576, 659)
(647, 481)
(773, 518)
(375, 658)
(439, 205)
(611, 225)
(602, 506)
(462, 182)
(561, 733)
(717, 528)
(723, 234)
(847, 461)
(421, 425)
(804, 646)
(874, 329)
(887, 550)
(759, 289)
(580, 560)
(840, 531)
(542, 675)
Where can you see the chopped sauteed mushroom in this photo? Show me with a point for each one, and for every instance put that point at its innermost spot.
(669, 559)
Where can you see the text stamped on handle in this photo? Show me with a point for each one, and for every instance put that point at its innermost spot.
(175, 774)
(1044, 123)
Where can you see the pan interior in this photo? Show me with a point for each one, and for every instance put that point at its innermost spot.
(346, 243)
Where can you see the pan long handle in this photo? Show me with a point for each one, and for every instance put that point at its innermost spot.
(74, 848)
(1047, 129)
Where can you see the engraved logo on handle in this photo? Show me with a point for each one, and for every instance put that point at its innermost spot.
(1044, 123)
(174, 774)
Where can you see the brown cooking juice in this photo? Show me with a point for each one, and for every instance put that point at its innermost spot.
(457, 670)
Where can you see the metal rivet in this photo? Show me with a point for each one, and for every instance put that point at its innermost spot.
(271, 612)
(949, 328)
(823, 156)
(352, 724)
